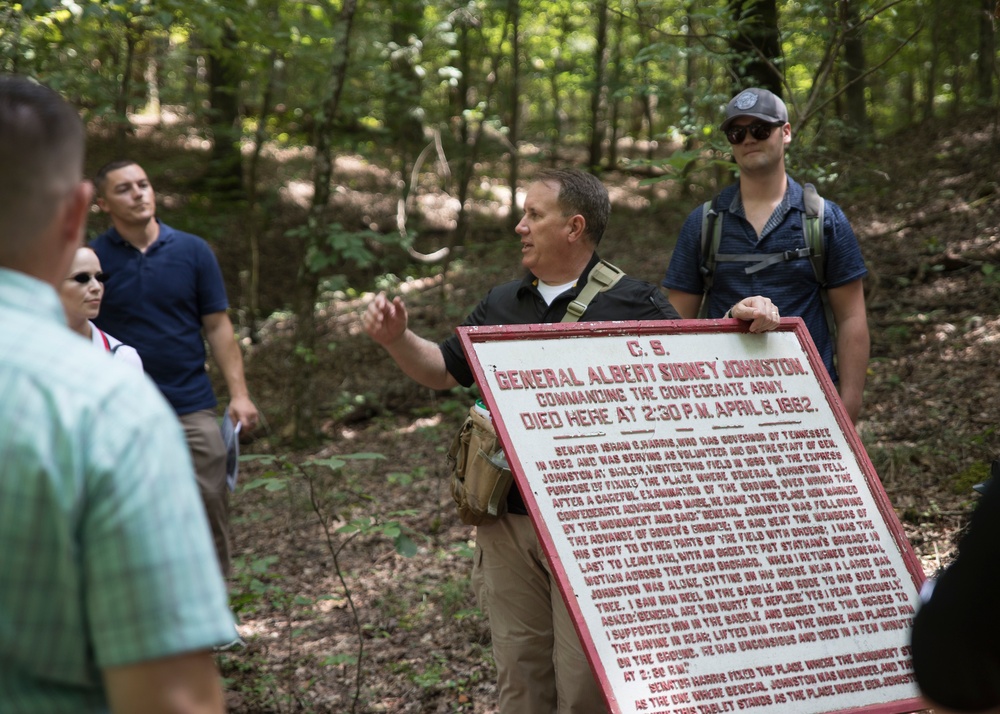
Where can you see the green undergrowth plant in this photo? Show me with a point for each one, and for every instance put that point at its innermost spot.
(896, 464)
(332, 492)
(259, 684)
(439, 675)
(963, 481)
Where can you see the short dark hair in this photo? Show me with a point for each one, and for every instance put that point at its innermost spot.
(42, 141)
(101, 177)
(584, 194)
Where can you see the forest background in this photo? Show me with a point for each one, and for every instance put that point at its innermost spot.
(331, 149)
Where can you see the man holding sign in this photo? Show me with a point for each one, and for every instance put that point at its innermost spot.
(541, 666)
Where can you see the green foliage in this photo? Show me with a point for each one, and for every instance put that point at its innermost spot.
(257, 682)
(431, 676)
(367, 525)
(450, 45)
(438, 674)
(897, 333)
(963, 481)
(899, 464)
(345, 511)
(256, 579)
(345, 404)
(455, 599)
(406, 478)
(282, 471)
(991, 276)
(340, 659)
(444, 69)
(332, 248)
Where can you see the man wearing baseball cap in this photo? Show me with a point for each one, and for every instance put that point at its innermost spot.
(763, 251)
(756, 104)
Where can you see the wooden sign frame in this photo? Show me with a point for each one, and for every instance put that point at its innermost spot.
(718, 533)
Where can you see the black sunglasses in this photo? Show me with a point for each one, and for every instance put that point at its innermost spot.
(84, 278)
(758, 130)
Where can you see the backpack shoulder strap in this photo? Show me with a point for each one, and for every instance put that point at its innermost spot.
(711, 237)
(814, 234)
(603, 276)
(812, 226)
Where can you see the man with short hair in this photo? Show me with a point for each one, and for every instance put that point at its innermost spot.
(110, 596)
(541, 665)
(164, 290)
(763, 215)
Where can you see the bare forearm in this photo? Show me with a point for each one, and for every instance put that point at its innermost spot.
(185, 684)
(686, 304)
(230, 360)
(420, 360)
(853, 349)
(226, 351)
(227, 355)
(853, 343)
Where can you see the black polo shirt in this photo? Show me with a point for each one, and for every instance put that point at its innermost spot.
(519, 303)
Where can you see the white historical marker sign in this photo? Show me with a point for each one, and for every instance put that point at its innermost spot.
(716, 528)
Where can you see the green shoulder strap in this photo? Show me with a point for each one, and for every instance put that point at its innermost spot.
(711, 236)
(602, 277)
(812, 227)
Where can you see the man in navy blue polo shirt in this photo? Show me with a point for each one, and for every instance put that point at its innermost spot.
(763, 214)
(165, 289)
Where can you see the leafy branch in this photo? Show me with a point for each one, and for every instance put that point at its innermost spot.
(336, 537)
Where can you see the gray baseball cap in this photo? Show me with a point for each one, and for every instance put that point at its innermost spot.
(758, 103)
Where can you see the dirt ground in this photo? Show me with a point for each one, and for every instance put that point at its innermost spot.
(311, 600)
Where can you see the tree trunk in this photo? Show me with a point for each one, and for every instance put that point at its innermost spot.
(556, 131)
(648, 115)
(122, 126)
(402, 96)
(986, 60)
(909, 97)
(931, 72)
(514, 123)
(756, 45)
(402, 107)
(464, 173)
(470, 147)
(152, 79)
(956, 79)
(598, 92)
(460, 97)
(854, 71)
(691, 77)
(255, 226)
(615, 85)
(304, 396)
(224, 177)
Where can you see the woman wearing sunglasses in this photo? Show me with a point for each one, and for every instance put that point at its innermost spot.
(81, 293)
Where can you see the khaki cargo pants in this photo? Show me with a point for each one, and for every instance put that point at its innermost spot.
(541, 667)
